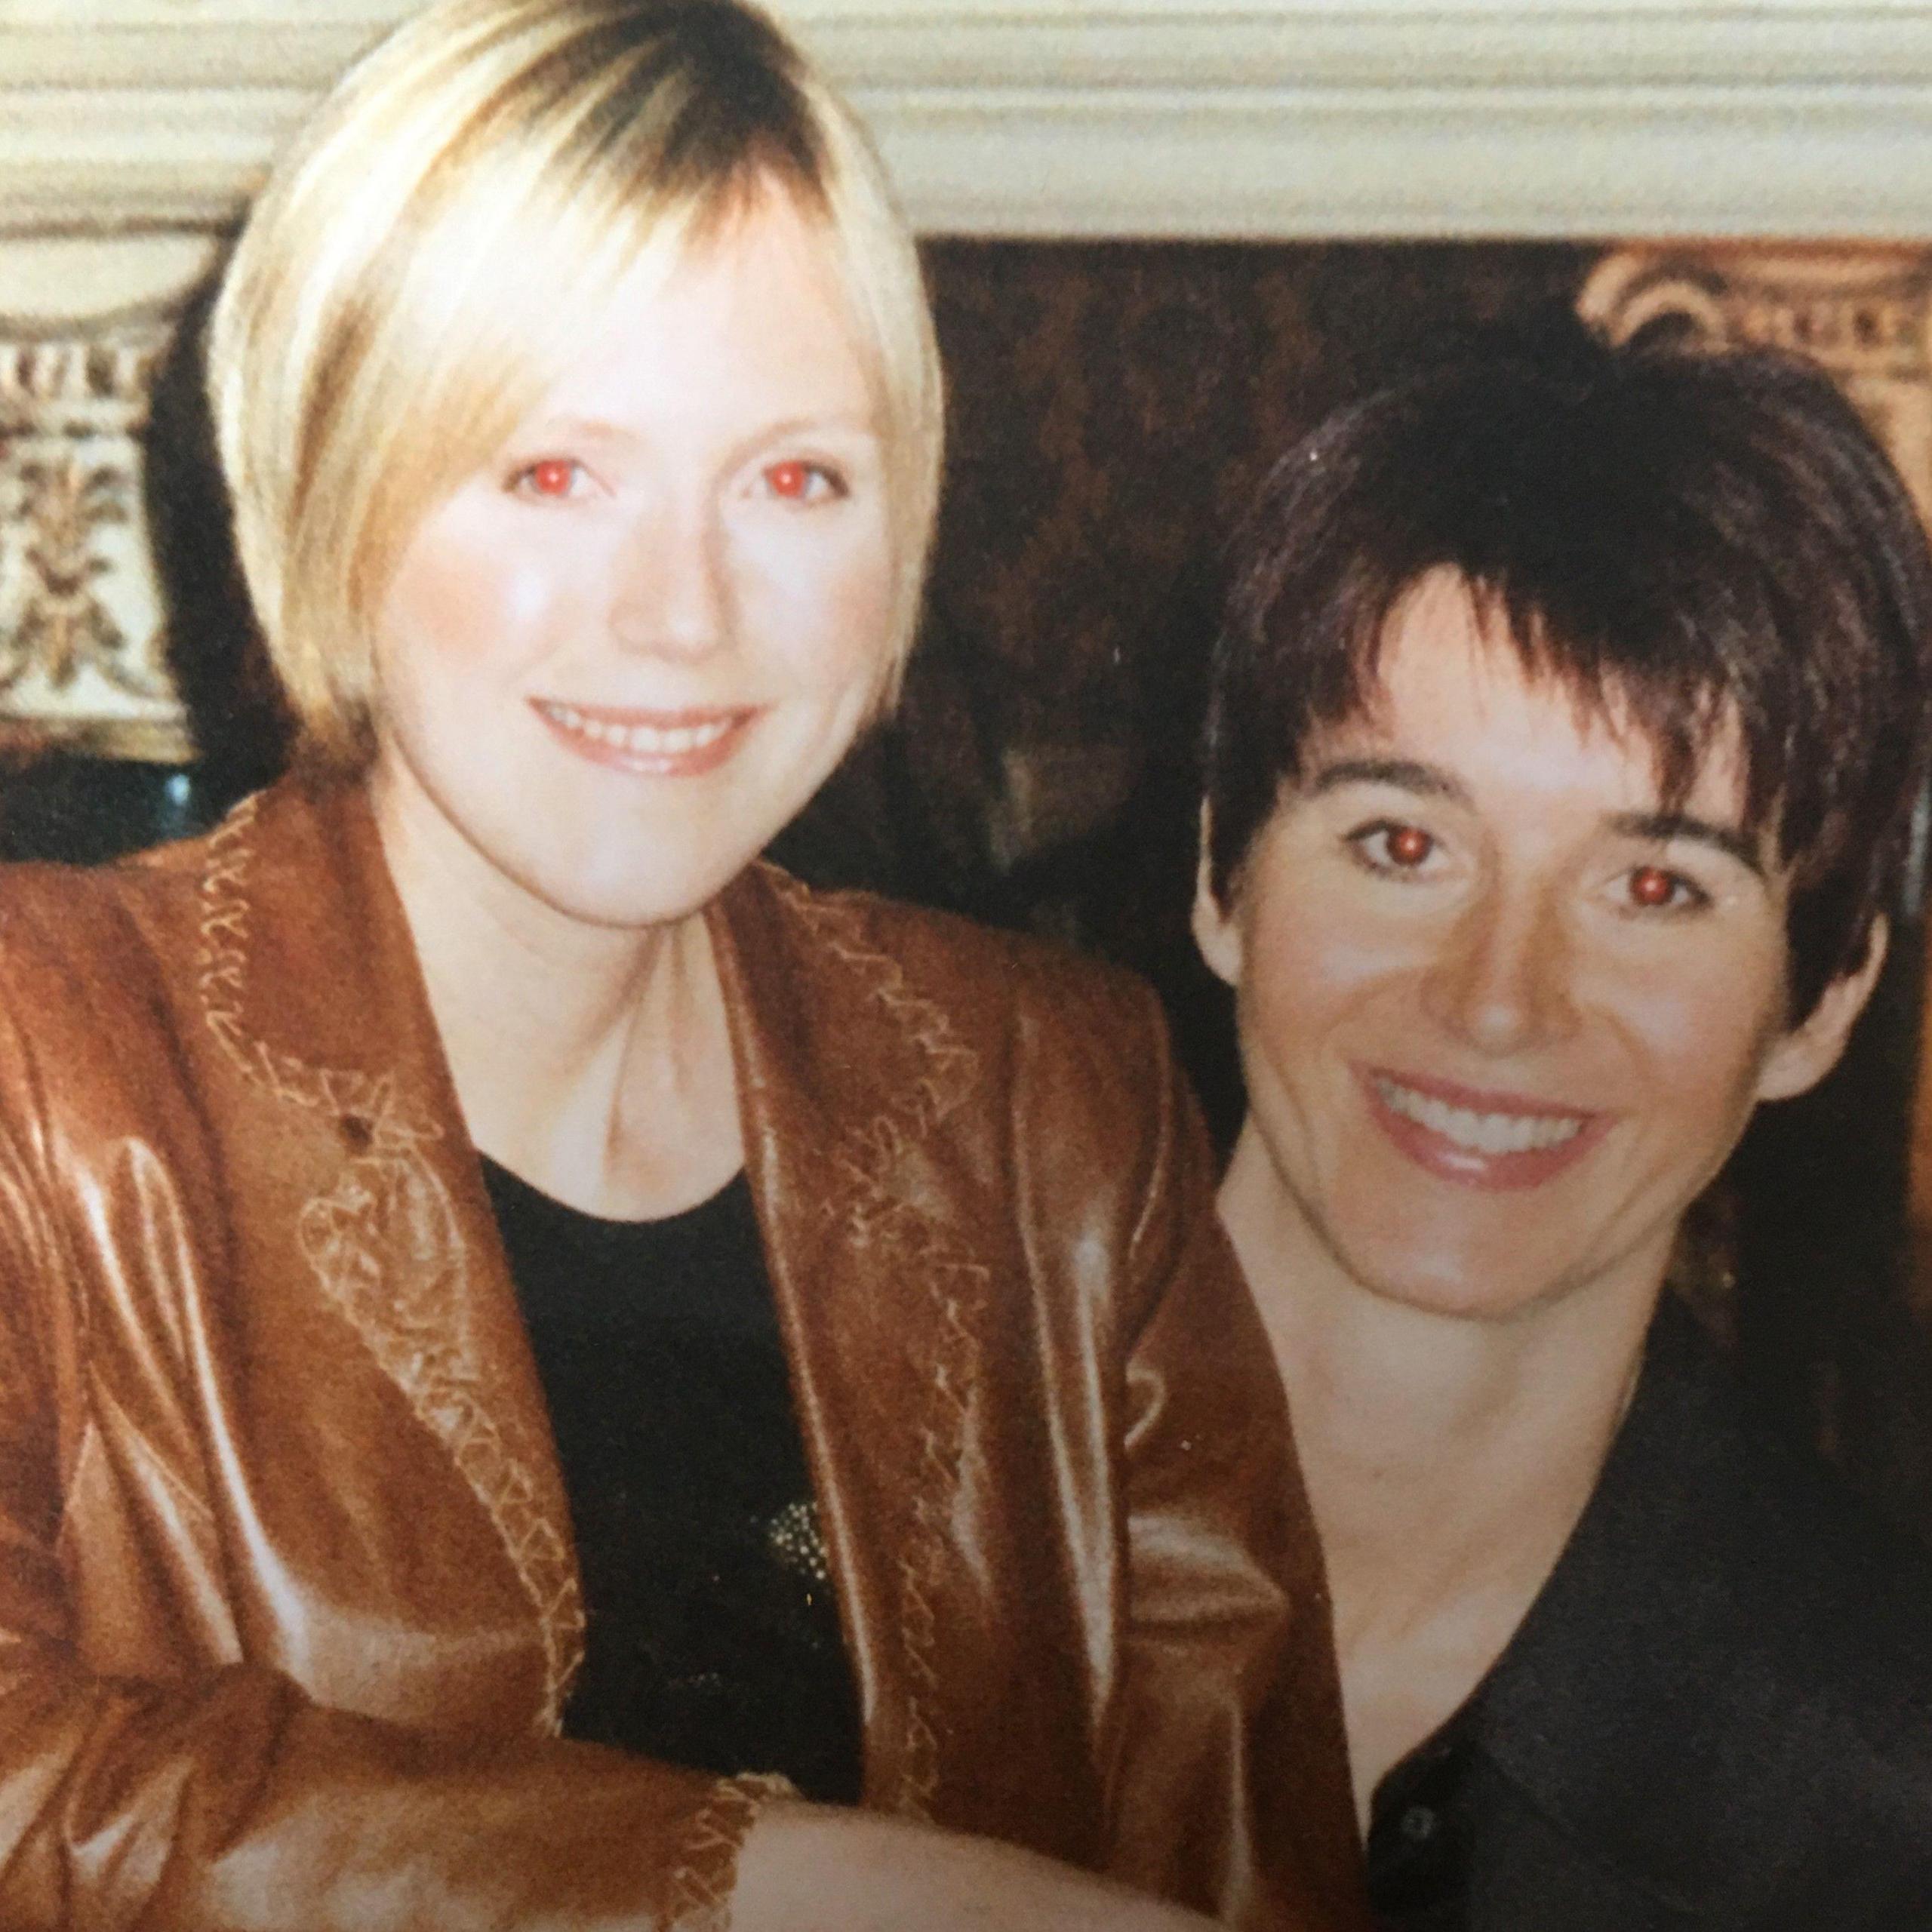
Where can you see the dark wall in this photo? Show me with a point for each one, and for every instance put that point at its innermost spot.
(1112, 408)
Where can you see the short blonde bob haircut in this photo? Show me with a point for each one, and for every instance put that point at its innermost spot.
(413, 278)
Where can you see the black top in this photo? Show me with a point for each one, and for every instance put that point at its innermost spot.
(1717, 1713)
(713, 1638)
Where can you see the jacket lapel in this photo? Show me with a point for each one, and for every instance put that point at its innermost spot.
(845, 1075)
(1626, 1684)
(309, 982)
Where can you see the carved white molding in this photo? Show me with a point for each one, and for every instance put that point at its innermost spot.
(81, 630)
(1036, 117)
(1398, 118)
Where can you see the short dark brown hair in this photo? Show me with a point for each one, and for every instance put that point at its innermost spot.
(1676, 535)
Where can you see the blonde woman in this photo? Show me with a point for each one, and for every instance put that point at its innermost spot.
(548, 1374)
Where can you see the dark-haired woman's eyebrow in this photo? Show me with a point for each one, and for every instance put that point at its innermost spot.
(1662, 827)
(1428, 781)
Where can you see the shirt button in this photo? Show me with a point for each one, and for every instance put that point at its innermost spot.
(1419, 1824)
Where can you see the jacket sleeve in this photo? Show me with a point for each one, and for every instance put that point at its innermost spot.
(1229, 1774)
(227, 1802)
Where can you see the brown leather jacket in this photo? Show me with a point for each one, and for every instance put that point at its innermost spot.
(288, 1607)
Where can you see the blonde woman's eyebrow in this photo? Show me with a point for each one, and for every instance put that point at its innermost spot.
(598, 430)
(835, 422)
(569, 428)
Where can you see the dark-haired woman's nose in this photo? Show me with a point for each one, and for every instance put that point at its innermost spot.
(1502, 981)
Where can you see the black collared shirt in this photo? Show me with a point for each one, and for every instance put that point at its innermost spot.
(1717, 1713)
(1420, 1833)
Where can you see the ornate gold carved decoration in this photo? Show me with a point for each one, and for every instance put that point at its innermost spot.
(81, 630)
(1866, 314)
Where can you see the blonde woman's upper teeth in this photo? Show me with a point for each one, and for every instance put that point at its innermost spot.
(647, 740)
(1479, 1132)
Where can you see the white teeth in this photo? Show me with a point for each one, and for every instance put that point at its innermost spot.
(642, 740)
(1480, 1134)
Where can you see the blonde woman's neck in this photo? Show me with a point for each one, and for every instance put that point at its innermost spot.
(592, 1061)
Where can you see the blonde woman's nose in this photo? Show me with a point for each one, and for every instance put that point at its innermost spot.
(669, 593)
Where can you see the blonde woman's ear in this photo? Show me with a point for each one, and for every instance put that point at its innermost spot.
(1798, 1059)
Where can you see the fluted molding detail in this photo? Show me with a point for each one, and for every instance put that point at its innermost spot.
(1508, 117)
(83, 637)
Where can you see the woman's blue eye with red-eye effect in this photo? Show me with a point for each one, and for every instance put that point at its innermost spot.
(796, 480)
(555, 477)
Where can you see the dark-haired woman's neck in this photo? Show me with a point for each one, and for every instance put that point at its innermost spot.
(1448, 1457)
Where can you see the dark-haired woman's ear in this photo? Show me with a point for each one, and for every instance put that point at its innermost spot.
(1216, 927)
(1801, 1057)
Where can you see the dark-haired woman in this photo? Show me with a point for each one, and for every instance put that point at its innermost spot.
(1567, 722)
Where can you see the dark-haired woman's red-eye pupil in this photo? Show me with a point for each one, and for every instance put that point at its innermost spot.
(1409, 845)
(1651, 885)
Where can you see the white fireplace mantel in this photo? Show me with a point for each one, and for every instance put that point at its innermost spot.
(1371, 118)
